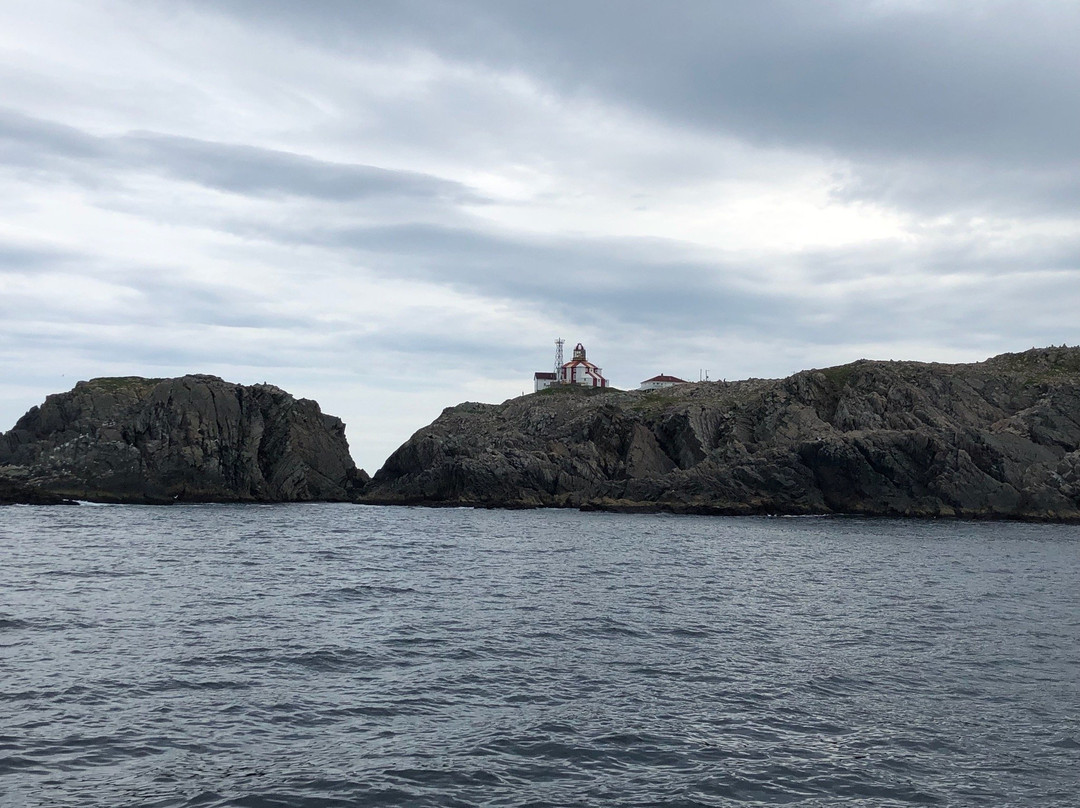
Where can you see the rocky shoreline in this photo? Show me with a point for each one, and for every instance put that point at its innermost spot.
(13, 492)
(998, 439)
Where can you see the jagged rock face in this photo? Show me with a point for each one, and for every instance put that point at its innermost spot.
(196, 438)
(998, 438)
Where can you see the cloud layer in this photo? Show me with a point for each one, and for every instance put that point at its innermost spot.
(391, 207)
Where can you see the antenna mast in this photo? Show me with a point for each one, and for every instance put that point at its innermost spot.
(558, 359)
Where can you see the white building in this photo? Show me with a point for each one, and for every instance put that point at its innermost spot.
(543, 380)
(660, 382)
(579, 370)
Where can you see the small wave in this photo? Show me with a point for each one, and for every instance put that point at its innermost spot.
(357, 592)
(609, 626)
(443, 778)
(692, 633)
(1067, 742)
(175, 684)
(96, 572)
(13, 764)
(331, 659)
(43, 624)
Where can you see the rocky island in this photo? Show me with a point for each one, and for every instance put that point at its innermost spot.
(196, 438)
(999, 439)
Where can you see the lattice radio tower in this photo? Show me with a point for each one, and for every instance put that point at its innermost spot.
(558, 359)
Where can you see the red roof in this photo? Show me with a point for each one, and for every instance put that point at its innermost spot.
(663, 378)
(542, 375)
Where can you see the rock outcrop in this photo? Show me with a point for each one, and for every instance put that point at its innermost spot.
(999, 438)
(13, 492)
(196, 439)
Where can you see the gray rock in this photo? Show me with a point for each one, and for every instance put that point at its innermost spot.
(998, 439)
(195, 438)
(13, 492)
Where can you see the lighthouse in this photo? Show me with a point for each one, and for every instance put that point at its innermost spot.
(579, 370)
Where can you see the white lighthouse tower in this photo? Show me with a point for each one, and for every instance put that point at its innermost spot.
(579, 370)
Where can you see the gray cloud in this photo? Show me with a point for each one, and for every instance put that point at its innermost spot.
(604, 281)
(247, 170)
(25, 260)
(142, 295)
(255, 171)
(976, 105)
(965, 188)
(32, 142)
(610, 285)
(958, 79)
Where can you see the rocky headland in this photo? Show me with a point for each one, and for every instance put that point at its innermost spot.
(195, 439)
(997, 439)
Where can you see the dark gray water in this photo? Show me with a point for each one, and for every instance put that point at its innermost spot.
(332, 655)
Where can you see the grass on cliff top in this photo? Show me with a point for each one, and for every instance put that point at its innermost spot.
(113, 384)
(648, 401)
(838, 375)
(1036, 365)
(575, 390)
(1040, 364)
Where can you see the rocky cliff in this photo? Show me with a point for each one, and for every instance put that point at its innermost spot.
(999, 438)
(196, 438)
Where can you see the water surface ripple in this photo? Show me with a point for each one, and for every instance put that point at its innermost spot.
(333, 655)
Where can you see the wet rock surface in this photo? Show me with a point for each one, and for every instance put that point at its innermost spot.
(13, 492)
(999, 439)
(194, 438)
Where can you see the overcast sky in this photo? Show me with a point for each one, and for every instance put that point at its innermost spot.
(394, 207)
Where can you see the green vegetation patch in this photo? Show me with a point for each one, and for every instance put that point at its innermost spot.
(1040, 364)
(655, 400)
(113, 384)
(838, 375)
(574, 390)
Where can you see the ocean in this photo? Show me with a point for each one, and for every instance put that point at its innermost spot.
(342, 655)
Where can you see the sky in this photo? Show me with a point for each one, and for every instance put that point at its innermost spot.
(393, 207)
